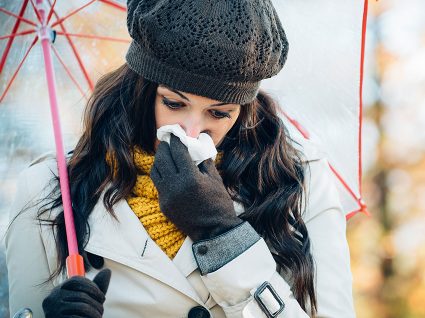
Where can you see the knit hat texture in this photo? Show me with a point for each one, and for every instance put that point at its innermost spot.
(220, 49)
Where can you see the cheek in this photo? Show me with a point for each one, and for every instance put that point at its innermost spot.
(219, 131)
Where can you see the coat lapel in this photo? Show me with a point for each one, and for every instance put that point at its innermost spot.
(184, 259)
(126, 241)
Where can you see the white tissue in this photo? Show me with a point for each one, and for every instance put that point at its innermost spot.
(200, 148)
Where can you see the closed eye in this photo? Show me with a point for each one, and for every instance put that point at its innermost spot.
(218, 114)
(170, 104)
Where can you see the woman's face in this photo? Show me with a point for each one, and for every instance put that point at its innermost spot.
(194, 113)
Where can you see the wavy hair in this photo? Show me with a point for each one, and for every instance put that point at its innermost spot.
(260, 168)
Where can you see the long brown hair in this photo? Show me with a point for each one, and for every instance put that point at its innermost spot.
(260, 168)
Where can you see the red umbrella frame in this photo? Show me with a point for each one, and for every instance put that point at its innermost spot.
(46, 34)
(50, 28)
(320, 90)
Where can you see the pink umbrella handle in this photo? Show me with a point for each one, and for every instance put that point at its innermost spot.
(74, 262)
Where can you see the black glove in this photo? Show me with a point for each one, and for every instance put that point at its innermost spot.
(193, 198)
(78, 297)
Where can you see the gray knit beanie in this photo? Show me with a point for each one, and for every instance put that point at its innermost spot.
(220, 49)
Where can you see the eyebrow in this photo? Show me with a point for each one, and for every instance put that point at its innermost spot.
(184, 97)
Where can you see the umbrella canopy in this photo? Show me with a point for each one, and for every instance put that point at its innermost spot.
(44, 25)
(96, 42)
(320, 86)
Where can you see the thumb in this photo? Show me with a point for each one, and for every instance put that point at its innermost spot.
(102, 279)
(208, 166)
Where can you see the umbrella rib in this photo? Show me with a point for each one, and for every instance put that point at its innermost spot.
(52, 6)
(80, 62)
(90, 36)
(362, 53)
(36, 11)
(18, 68)
(68, 71)
(18, 17)
(362, 205)
(346, 186)
(72, 13)
(17, 34)
(296, 124)
(114, 4)
(352, 213)
(306, 135)
(10, 41)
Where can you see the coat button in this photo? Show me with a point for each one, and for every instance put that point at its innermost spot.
(198, 312)
(202, 249)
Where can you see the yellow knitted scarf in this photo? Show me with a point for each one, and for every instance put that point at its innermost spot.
(143, 200)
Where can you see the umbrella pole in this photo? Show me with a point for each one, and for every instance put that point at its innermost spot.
(74, 261)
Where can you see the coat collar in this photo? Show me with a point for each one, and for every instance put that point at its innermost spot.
(124, 239)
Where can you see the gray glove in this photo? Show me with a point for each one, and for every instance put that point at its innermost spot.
(193, 198)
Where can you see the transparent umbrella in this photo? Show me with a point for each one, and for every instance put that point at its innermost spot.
(319, 88)
(45, 46)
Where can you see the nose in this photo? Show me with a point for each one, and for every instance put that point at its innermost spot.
(192, 126)
(193, 132)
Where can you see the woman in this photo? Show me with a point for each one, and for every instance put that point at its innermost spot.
(257, 233)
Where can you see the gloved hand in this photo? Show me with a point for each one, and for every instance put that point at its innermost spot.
(193, 198)
(78, 297)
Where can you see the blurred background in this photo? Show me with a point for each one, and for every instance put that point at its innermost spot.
(387, 248)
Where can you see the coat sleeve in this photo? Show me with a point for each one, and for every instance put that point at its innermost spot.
(233, 281)
(25, 253)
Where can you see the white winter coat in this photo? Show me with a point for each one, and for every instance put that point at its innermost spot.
(146, 283)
